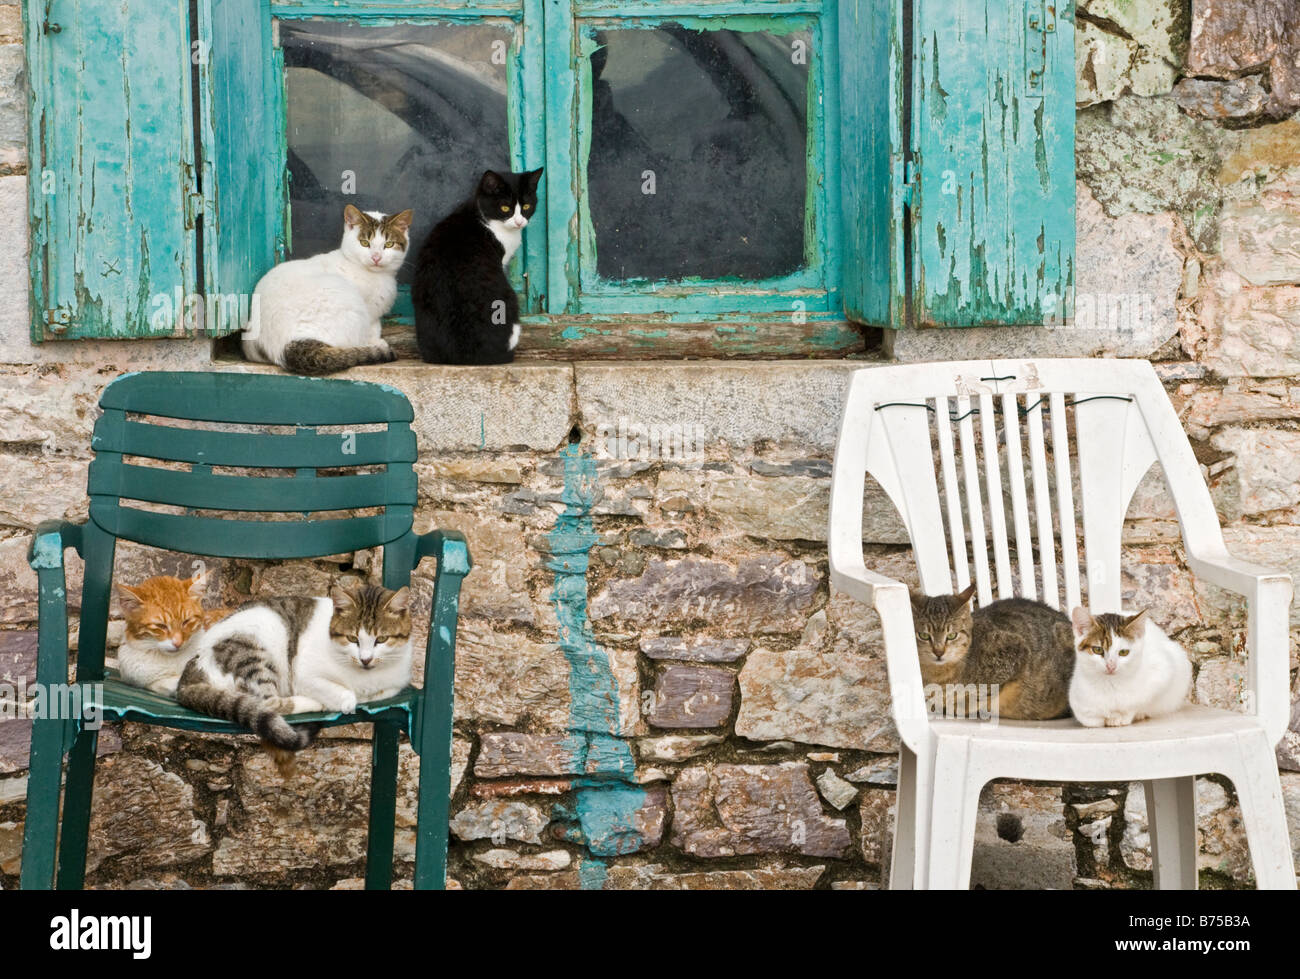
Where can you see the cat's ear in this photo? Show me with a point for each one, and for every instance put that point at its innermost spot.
(128, 598)
(962, 597)
(1134, 624)
(531, 179)
(400, 600)
(1082, 620)
(198, 585)
(344, 600)
(491, 183)
(353, 217)
(402, 221)
(918, 599)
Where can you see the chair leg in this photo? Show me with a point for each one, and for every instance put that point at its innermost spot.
(953, 810)
(1171, 821)
(76, 811)
(1259, 792)
(435, 794)
(904, 874)
(383, 807)
(41, 827)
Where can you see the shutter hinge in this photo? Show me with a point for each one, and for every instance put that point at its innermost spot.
(193, 208)
(58, 319)
(909, 182)
(1040, 23)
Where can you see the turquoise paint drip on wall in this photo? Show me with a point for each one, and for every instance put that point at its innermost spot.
(608, 797)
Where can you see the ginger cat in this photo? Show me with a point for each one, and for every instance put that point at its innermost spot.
(164, 616)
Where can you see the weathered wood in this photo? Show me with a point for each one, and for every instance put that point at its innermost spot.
(111, 163)
(871, 78)
(241, 118)
(642, 338)
(993, 135)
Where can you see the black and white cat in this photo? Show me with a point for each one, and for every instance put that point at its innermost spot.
(466, 311)
(322, 314)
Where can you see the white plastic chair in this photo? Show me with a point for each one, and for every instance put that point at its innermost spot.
(895, 419)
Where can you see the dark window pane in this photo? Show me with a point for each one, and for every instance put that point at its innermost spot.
(720, 118)
(416, 112)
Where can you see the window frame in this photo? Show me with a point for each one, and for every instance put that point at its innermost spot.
(865, 140)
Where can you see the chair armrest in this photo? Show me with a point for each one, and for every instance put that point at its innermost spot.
(50, 539)
(891, 600)
(450, 549)
(1235, 575)
(1268, 603)
(45, 555)
(860, 583)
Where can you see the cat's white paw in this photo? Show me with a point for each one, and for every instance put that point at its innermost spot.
(165, 687)
(347, 703)
(514, 337)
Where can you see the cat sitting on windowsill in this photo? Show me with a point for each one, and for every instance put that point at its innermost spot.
(321, 315)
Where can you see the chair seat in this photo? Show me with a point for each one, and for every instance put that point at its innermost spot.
(121, 701)
(1187, 725)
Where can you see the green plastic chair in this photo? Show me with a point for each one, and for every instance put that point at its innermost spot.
(116, 482)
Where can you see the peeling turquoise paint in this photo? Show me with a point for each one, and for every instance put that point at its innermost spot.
(47, 551)
(1000, 249)
(607, 796)
(592, 874)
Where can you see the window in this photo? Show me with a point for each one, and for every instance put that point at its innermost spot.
(722, 177)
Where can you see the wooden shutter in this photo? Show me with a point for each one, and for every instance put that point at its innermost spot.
(241, 113)
(993, 139)
(871, 160)
(111, 166)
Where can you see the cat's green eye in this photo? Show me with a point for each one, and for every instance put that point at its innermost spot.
(922, 635)
(526, 207)
(364, 241)
(390, 244)
(1097, 650)
(952, 636)
(351, 639)
(1123, 652)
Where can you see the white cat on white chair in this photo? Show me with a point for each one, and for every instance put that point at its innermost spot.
(1126, 669)
(322, 314)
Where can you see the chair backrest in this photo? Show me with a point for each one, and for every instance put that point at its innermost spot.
(976, 456)
(254, 466)
(195, 448)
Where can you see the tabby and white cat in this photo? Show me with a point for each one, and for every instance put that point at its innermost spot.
(322, 314)
(1021, 647)
(164, 618)
(294, 655)
(466, 311)
(1127, 669)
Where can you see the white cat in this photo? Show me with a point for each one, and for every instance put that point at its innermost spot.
(322, 314)
(1126, 669)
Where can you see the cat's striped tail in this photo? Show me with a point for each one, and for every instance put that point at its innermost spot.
(257, 714)
(315, 357)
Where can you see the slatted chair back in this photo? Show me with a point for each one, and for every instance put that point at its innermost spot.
(254, 466)
(996, 466)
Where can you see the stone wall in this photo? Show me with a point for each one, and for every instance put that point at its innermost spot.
(735, 711)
